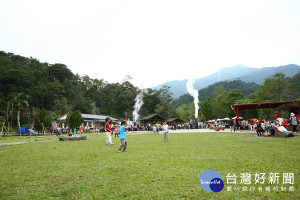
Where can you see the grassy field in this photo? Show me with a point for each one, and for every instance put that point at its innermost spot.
(150, 169)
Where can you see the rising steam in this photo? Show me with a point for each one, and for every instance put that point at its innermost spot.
(138, 104)
(194, 93)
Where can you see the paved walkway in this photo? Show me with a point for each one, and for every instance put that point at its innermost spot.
(194, 131)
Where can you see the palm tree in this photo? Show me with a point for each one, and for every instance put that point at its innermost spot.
(21, 101)
(2, 120)
(9, 103)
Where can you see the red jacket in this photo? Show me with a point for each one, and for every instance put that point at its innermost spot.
(107, 127)
(284, 123)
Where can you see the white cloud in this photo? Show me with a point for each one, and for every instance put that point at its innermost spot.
(153, 41)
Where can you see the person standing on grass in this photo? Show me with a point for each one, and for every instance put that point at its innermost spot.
(116, 131)
(122, 138)
(234, 124)
(166, 131)
(74, 134)
(81, 130)
(112, 128)
(108, 132)
(154, 129)
(58, 133)
(251, 124)
(231, 125)
(157, 127)
(294, 122)
(267, 125)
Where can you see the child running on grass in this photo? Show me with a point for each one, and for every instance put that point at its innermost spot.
(74, 134)
(122, 138)
(116, 131)
(108, 132)
(166, 131)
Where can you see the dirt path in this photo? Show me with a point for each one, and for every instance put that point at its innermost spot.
(13, 143)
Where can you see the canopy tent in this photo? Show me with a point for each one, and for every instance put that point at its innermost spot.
(153, 118)
(292, 106)
(176, 120)
(236, 117)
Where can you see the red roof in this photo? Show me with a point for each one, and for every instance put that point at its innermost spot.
(249, 106)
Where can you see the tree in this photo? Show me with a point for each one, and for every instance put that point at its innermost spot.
(9, 103)
(277, 88)
(42, 120)
(232, 97)
(74, 119)
(247, 114)
(61, 106)
(207, 109)
(52, 116)
(151, 99)
(165, 107)
(185, 112)
(2, 122)
(82, 103)
(59, 72)
(21, 100)
(296, 89)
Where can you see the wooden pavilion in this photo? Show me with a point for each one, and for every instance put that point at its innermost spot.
(153, 118)
(175, 119)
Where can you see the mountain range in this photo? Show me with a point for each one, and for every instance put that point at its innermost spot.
(241, 72)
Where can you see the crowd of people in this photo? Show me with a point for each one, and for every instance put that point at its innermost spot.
(265, 126)
(157, 126)
(110, 129)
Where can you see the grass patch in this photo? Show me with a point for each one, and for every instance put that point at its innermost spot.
(150, 169)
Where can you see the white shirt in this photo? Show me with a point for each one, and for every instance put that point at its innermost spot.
(165, 128)
(280, 120)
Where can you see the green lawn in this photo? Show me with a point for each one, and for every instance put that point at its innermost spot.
(150, 169)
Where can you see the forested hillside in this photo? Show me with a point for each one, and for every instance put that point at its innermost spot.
(41, 92)
(238, 72)
(54, 89)
(246, 88)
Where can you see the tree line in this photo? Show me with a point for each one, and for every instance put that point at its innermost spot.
(33, 92)
(49, 91)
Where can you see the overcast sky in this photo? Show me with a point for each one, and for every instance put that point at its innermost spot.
(152, 41)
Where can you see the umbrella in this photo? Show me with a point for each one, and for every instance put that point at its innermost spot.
(226, 119)
(236, 117)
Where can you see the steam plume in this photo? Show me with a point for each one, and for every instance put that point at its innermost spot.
(194, 93)
(138, 104)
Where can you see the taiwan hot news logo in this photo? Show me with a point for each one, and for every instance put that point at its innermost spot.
(211, 181)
